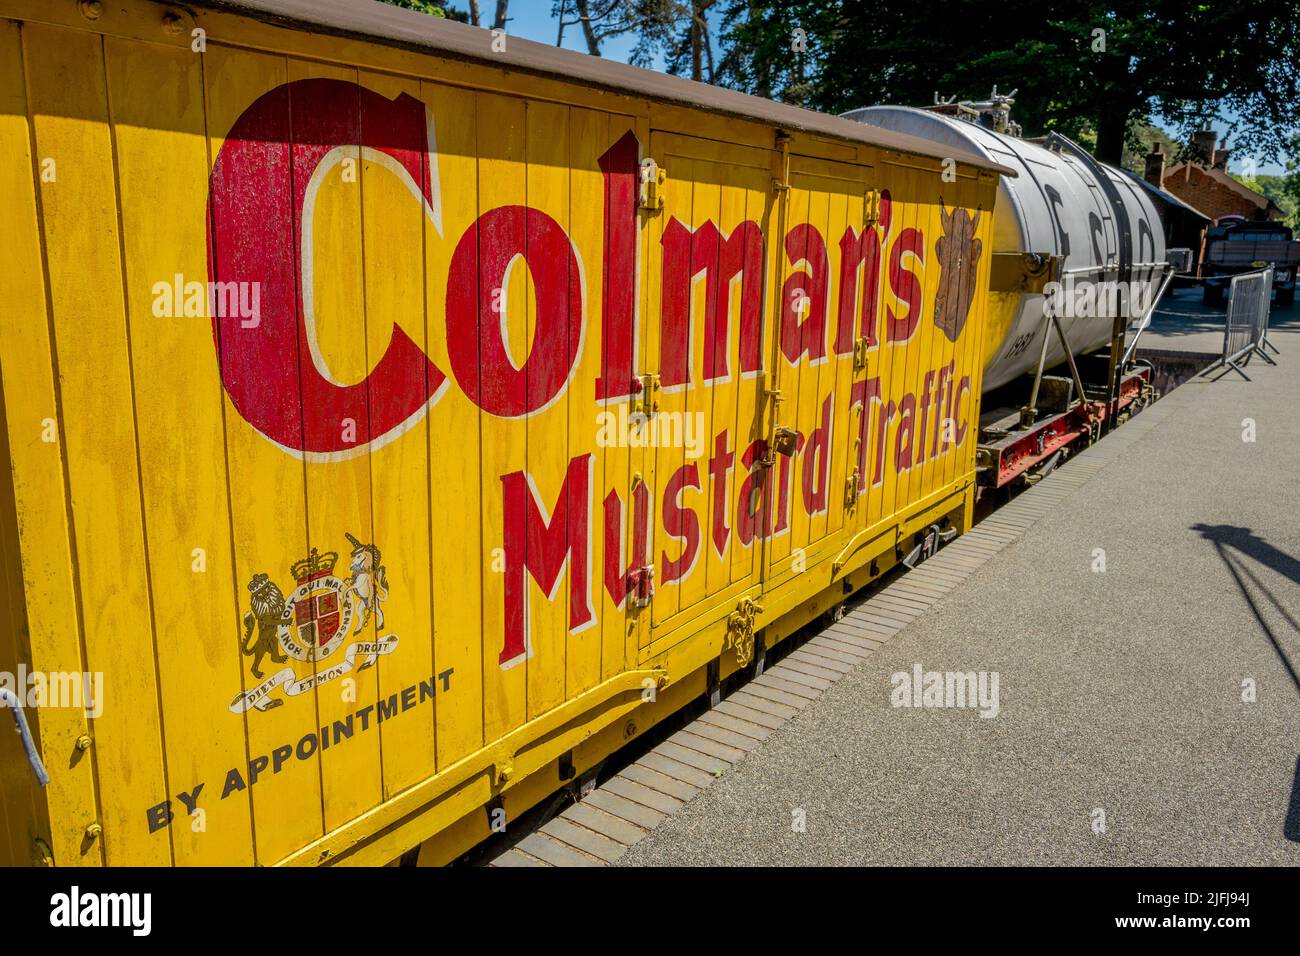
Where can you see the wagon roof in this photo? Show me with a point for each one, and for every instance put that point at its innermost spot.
(395, 26)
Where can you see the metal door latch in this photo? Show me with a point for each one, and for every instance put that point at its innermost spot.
(641, 585)
(785, 441)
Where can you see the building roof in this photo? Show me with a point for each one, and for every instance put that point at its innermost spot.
(411, 30)
(1166, 197)
(1220, 176)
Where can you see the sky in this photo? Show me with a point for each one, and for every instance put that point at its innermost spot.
(532, 20)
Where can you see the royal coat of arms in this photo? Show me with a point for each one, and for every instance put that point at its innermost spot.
(311, 625)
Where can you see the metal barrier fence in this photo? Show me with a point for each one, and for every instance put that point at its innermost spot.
(1245, 330)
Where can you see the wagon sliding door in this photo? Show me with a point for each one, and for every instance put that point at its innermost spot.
(827, 281)
(708, 341)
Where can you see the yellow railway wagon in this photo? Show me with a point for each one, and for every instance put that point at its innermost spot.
(401, 416)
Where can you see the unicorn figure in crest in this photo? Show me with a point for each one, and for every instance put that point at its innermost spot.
(367, 583)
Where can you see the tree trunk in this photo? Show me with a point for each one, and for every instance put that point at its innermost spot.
(584, 13)
(499, 21)
(697, 64)
(474, 17)
(1111, 127)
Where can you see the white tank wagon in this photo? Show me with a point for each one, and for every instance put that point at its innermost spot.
(1058, 205)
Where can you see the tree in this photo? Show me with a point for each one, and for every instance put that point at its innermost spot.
(1078, 65)
(1291, 184)
(1143, 137)
(599, 19)
(436, 8)
(679, 29)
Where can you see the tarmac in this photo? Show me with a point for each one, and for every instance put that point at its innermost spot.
(1141, 611)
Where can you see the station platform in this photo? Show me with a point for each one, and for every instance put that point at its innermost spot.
(1140, 608)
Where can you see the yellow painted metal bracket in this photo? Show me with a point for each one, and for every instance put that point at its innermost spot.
(1027, 272)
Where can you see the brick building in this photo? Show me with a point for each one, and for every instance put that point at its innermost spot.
(1204, 182)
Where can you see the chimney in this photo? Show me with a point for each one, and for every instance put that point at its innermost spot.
(1203, 146)
(1221, 155)
(1155, 169)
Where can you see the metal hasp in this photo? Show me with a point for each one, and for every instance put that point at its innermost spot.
(1124, 239)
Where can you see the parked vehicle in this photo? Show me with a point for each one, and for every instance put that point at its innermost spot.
(1235, 245)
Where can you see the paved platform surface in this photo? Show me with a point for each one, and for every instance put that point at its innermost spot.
(1120, 691)
(1183, 322)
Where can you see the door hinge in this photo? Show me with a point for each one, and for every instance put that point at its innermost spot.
(646, 402)
(851, 490)
(860, 353)
(654, 182)
(871, 207)
(781, 183)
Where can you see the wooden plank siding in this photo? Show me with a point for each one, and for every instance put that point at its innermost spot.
(378, 532)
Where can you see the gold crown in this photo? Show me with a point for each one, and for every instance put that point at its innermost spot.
(314, 565)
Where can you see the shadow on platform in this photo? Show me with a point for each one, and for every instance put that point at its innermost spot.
(1238, 548)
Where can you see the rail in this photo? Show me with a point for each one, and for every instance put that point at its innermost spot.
(1245, 328)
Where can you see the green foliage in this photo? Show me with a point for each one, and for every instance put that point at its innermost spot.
(1142, 137)
(1283, 191)
(435, 8)
(1282, 194)
(1179, 61)
(680, 30)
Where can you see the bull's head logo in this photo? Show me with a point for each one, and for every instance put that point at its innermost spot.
(959, 253)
